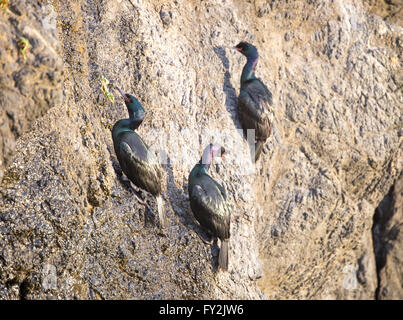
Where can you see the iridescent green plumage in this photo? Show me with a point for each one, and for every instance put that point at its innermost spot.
(138, 163)
(208, 202)
(255, 99)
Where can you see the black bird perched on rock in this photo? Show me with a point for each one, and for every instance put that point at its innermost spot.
(255, 99)
(208, 201)
(138, 163)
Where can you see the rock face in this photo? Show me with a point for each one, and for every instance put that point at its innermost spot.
(302, 219)
(390, 10)
(32, 85)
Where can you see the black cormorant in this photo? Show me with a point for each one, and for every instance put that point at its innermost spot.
(138, 163)
(255, 99)
(208, 201)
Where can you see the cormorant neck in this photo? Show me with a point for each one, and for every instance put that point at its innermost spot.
(134, 108)
(136, 117)
(136, 114)
(206, 158)
(248, 71)
(204, 167)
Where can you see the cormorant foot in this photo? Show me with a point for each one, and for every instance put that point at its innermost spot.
(126, 182)
(206, 238)
(139, 199)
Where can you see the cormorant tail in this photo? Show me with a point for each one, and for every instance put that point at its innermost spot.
(258, 149)
(161, 213)
(223, 255)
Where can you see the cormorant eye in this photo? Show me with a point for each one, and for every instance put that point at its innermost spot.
(242, 47)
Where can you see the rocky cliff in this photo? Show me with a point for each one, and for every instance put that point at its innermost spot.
(302, 218)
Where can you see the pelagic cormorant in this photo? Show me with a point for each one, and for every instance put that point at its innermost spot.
(208, 201)
(138, 163)
(255, 99)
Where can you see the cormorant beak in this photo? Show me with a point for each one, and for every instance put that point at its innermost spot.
(123, 94)
(232, 48)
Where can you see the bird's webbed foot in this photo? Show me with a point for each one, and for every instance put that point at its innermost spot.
(206, 237)
(137, 193)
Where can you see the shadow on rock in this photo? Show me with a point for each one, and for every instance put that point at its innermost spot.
(229, 90)
(231, 98)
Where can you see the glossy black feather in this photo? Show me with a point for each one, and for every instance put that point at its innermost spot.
(137, 162)
(209, 205)
(254, 108)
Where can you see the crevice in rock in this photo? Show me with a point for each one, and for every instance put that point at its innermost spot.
(381, 235)
(24, 289)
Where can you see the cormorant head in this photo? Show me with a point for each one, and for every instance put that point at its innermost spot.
(132, 104)
(247, 49)
(127, 97)
(212, 152)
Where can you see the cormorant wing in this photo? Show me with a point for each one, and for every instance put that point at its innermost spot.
(136, 161)
(211, 207)
(132, 145)
(139, 148)
(255, 96)
(222, 189)
(257, 89)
